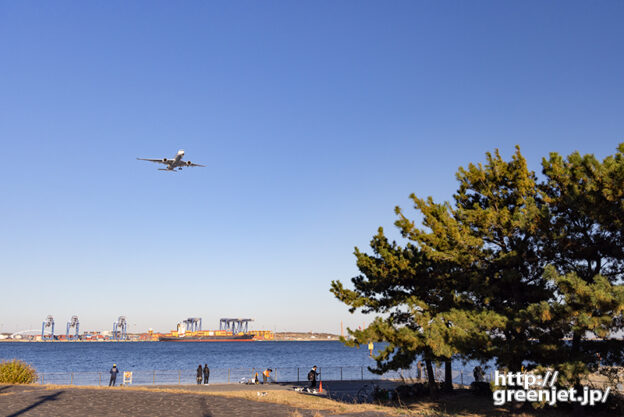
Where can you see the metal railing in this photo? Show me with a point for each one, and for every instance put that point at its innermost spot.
(237, 375)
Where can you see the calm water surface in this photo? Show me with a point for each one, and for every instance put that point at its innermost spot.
(95, 356)
(87, 363)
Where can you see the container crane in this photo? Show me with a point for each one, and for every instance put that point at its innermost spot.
(193, 324)
(48, 322)
(236, 326)
(73, 323)
(119, 329)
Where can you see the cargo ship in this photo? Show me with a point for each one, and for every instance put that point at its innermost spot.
(207, 337)
(230, 330)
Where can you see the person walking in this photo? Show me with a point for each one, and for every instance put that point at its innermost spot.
(312, 377)
(113, 375)
(206, 374)
(266, 374)
(419, 370)
(199, 374)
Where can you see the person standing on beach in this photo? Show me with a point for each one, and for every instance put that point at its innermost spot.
(266, 374)
(370, 348)
(113, 372)
(206, 374)
(199, 374)
(312, 377)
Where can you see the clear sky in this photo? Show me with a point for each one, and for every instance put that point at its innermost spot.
(314, 118)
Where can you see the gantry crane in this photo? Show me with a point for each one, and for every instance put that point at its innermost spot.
(48, 322)
(73, 323)
(236, 326)
(193, 324)
(119, 329)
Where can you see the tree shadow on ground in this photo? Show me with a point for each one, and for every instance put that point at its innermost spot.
(205, 411)
(41, 400)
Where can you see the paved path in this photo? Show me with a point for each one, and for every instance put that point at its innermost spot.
(33, 400)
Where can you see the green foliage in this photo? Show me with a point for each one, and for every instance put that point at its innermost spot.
(515, 269)
(17, 372)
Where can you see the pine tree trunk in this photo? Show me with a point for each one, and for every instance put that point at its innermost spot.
(578, 410)
(448, 376)
(433, 389)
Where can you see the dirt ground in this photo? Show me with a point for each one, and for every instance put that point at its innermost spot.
(37, 400)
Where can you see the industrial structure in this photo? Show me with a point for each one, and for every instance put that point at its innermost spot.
(47, 322)
(119, 329)
(188, 330)
(235, 325)
(73, 323)
(193, 324)
(230, 330)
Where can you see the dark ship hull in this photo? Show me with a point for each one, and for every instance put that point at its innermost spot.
(214, 338)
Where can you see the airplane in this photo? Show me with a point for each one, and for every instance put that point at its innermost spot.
(174, 163)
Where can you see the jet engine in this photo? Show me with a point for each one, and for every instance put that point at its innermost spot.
(188, 163)
(165, 159)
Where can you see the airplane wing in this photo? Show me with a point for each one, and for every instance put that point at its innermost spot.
(189, 164)
(160, 161)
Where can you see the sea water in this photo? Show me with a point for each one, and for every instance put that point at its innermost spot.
(175, 362)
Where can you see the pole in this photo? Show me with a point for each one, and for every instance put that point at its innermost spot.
(461, 376)
(154, 377)
(362, 371)
(228, 375)
(72, 379)
(100, 378)
(297, 374)
(341, 373)
(179, 377)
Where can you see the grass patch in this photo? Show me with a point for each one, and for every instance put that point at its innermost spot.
(17, 372)
(310, 402)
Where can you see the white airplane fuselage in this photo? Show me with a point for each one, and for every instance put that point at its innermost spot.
(176, 161)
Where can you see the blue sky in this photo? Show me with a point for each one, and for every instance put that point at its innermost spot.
(315, 119)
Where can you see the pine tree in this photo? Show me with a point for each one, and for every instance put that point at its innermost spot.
(584, 243)
(396, 284)
(493, 238)
(508, 271)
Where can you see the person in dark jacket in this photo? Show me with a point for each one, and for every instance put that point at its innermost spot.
(312, 377)
(206, 374)
(199, 374)
(113, 372)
